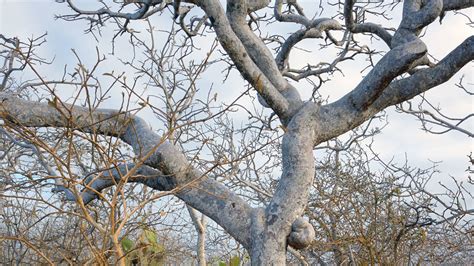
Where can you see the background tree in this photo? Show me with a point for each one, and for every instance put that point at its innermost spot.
(198, 154)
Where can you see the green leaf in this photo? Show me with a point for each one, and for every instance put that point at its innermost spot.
(222, 263)
(157, 248)
(127, 244)
(235, 261)
(151, 236)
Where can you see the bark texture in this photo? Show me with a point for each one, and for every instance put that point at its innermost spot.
(264, 232)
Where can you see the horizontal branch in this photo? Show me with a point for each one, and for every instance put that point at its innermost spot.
(296, 18)
(94, 184)
(206, 195)
(354, 27)
(145, 5)
(449, 5)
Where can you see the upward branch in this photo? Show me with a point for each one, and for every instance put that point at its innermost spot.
(395, 92)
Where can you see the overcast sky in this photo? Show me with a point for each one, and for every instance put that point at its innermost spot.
(402, 137)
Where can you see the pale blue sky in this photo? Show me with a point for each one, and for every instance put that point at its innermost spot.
(401, 137)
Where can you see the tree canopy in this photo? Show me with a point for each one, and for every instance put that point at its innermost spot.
(271, 160)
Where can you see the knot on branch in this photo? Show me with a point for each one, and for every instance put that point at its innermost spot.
(302, 234)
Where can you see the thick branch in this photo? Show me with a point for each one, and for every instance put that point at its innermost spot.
(236, 13)
(313, 31)
(394, 63)
(290, 198)
(96, 183)
(259, 53)
(208, 196)
(237, 52)
(416, 15)
(398, 91)
(425, 79)
(457, 4)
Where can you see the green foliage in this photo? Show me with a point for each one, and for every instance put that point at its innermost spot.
(150, 236)
(127, 244)
(234, 261)
(145, 251)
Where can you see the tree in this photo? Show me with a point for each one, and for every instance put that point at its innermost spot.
(363, 216)
(96, 140)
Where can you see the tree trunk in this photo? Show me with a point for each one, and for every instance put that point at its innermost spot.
(267, 249)
(269, 253)
(274, 228)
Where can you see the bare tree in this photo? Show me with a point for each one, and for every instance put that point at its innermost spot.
(388, 214)
(173, 159)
